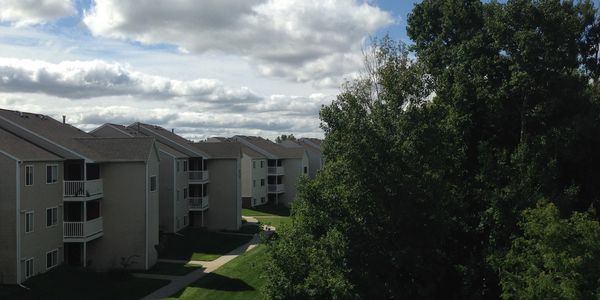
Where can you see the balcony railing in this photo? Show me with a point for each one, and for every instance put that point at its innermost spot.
(276, 188)
(199, 203)
(198, 175)
(82, 230)
(83, 188)
(275, 170)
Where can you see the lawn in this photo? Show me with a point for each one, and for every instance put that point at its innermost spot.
(196, 244)
(70, 283)
(274, 221)
(175, 269)
(266, 210)
(239, 279)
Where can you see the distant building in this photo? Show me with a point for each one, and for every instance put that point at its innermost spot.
(284, 167)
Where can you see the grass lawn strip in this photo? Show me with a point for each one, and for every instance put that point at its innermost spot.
(196, 244)
(174, 269)
(69, 283)
(239, 279)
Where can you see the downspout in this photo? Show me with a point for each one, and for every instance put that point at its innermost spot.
(175, 162)
(18, 219)
(146, 227)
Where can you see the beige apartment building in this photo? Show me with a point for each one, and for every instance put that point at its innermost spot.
(100, 196)
(284, 167)
(224, 189)
(254, 178)
(174, 183)
(210, 200)
(313, 150)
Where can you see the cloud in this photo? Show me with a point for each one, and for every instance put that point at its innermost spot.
(96, 78)
(31, 12)
(299, 40)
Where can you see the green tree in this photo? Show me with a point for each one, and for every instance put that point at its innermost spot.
(430, 161)
(285, 137)
(553, 258)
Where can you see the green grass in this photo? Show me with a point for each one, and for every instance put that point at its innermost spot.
(174, 269)
(266, 210)
(239, 279)
(196, 244)
(274, 221)
(247, 229)
(69, 283)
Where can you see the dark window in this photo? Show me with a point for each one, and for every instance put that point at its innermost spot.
(262, 182)
(51, 216)
(305, 170)
(28, 175)
(152, 183)
(51, 174)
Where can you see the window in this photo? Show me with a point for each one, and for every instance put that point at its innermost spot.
(185, 220)
(185, 166)
(262, 200)
(253, 201)
(153, 183)
(185, 193)
(262, 182)
(253, 164)
(51, 174)
(28, 268)
(28, 175)
(51, 259)
(29, 221)
(262, 164)
(51, 216)
(177, 198)
(305, 170)
(178, 163)
(253, 183)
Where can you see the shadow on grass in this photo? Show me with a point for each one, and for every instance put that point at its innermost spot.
(213, 281)
(194, 243)
(277, 210)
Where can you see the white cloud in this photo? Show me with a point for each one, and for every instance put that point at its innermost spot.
(96, 78)
(299, 40)
(31, 12)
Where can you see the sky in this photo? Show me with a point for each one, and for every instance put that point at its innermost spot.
(204, 68)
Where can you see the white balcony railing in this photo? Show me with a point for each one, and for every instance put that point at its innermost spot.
(275, 170)
(199, 203)
(83, 188)
(198, 175)
(276, 188)
(77, 230)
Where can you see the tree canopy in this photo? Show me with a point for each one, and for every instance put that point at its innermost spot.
(435, 152)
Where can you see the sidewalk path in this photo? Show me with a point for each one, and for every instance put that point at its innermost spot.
(180, 282)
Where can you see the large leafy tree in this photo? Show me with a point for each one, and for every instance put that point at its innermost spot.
(430, 161)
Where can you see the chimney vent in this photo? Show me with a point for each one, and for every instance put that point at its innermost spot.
(172, 130)
(64, 119)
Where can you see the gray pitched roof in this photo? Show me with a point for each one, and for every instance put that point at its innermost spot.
(270, 149)
(24, 150)
(171, 151)
(217, 150)
(119, 149)
(252, 153)
(70, 142)
(169, 138)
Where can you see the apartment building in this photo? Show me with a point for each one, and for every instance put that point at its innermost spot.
(284, 167)
(313, 150)
(30, 209)
(254, 178)
(199, 196)
(224, 189)
(106, 190)
(174, 183)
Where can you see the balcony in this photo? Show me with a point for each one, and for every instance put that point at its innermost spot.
(276, 188)
(82, 190)
(83, 231)
(198, 176)
(198, 203)
(275, 171)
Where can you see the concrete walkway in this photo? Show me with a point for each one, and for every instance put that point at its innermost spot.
(253, 220)
(180, 282)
